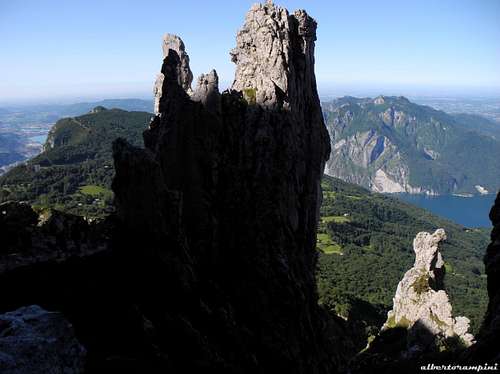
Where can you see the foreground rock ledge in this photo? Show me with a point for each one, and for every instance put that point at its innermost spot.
(33, 341)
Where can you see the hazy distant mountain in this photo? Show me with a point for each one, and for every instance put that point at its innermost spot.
(49, 113)
(125, 104)
(479, 124)
(389, 144)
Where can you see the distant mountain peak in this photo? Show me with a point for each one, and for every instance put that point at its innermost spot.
(389, 144)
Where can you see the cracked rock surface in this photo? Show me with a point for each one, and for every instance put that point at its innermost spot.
(421, 304)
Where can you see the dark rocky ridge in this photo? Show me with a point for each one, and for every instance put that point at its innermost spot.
(220, 246)
(487, 348)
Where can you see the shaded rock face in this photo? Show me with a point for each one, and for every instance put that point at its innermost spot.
(422, 306)
(174, 47)
(34, 341)
(218, 214)
(29, 238)
(64, 264)
(487, 347)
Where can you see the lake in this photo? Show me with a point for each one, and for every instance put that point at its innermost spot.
(467, 211)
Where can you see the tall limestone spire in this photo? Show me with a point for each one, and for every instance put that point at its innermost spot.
(220, 210)
(421, 304)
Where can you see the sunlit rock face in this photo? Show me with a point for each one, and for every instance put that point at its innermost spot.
(421, 304)
(218, 214)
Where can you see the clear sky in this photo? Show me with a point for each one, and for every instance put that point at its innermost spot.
(68, 49)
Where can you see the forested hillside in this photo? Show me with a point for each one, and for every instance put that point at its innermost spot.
(74, 172)
(365, 240)
(389, 144)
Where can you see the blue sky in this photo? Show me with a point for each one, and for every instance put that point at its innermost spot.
(64, 50)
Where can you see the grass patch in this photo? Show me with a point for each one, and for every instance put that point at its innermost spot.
(336, 219)
(95, 191)
(328, 195)
(391, 322)
(421, 285)
(368, 248)
(403, 322)
(250, 95)
(326, 245)
(448, 267)
(332, 249)
(355, 198)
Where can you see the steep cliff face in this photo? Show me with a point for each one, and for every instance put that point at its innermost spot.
(487, 347)
(218, 214)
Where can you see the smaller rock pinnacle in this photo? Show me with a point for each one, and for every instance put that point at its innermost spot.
(421, 305)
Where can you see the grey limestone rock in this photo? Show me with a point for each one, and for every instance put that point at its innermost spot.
(421, 304)
(33, 341)
(207, 91)
(267, 68)
(183, 75)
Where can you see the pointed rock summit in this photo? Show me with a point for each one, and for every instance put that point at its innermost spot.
(174, 51)
(218, 215)
(421, 305)
(274, 57)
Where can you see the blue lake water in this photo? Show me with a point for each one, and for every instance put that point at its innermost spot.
(467, 211)
(39, 138)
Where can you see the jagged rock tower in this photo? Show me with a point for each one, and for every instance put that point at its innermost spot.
(421, 304)
(218, 214)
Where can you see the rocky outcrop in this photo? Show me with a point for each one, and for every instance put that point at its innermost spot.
(274, 67)
(174, 47)
(33, 340)
(217, 216)
(29, 237)
(422, 306)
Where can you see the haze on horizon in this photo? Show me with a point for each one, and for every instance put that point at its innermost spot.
(60, 50)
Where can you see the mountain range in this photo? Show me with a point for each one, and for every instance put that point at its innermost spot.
(389, 144)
